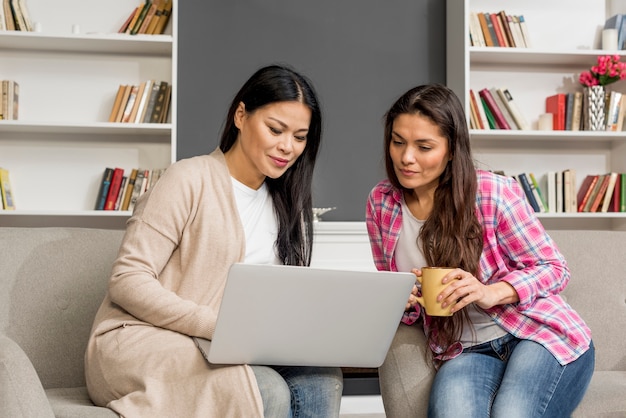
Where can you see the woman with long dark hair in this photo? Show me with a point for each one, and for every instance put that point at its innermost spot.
(247, 201)
(512, 347)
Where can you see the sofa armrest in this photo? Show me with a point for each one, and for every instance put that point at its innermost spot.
(21, 392)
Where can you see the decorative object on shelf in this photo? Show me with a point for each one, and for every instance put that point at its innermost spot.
(318, 212)
(608, 70)
(595, 106)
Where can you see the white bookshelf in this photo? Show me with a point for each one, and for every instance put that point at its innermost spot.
(57, 150)
(566, 37)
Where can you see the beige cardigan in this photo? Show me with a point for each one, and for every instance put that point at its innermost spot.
(166, 285)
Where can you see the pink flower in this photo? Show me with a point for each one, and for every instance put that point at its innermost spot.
(608, 70)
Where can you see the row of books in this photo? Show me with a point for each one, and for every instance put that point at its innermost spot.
(557, 192)
(494, 108)
(10, 100)
(147, 102)
(118, 191)
(498, 29)
(14, 16)
(148, 18)
(8, 202)
(568, 108)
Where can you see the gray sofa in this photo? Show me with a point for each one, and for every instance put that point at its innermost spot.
(52, 280)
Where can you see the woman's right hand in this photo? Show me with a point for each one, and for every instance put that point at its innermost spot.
(414, 292)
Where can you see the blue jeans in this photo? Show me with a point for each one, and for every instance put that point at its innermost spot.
(511, 378)
(299, 392)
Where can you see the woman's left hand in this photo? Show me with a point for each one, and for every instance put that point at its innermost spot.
(464, 289)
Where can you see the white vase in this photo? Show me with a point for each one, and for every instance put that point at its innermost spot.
(595, 108)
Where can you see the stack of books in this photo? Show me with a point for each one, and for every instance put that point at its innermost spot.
(147, 102)
(10, 96)
(498, 29)
(120, 192)
(148, 18)
(495, 109)
(14, 16)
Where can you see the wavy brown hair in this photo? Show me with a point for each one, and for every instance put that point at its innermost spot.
(452, 235)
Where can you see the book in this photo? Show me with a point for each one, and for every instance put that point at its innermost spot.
(598, 194)
(157, 15)
(559, 192)
(493, 107)
(158, 105)
(577, 111)
(491, 29)
(18, 17)
(129, 189)
(120, 114)
(474, 110)
(622, 193)
(120, 193)
(524, 30)
(8, 201)
(555, 104)
(613, 110)
(14, 105)
(513, 109)
(133, 113)
(133, 21)
(129, 19)
(482, 19)
(476, 32)
(497, 28)
(584, 191)
(4, 104)
(572, 201)
(568, 190)
(143, 103)
(166, 105)
(128, 110)
(151, 101)
(114, 189)
(140, 18)
(504, 109)
(137, 186)
(614, 206)
(490, 119)
(569, 110)
(608, 194)
(541, 201)
(621, 114)
(117, 102)
(25, 15)
(528, 190)
(148, 18)
(164, 18)
(480, 110)
(551, 187)
(103, 190)
(504, 19)
(473, 113)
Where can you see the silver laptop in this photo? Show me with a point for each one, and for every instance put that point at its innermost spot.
(305, 316)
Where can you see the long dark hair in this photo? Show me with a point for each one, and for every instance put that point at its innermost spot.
(452, 235)
(291, 192)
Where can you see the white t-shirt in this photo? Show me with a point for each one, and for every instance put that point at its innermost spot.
(260, 226)
(409, 255)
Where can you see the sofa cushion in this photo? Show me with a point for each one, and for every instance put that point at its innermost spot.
(52, 282)
(75, 403)
(606, 396)
(22, 395)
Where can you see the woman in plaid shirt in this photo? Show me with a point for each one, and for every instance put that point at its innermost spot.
(512, 347)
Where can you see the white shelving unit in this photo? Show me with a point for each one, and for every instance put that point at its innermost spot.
(57, 150)
(565, 37)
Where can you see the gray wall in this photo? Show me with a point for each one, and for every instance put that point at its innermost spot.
(360, 54)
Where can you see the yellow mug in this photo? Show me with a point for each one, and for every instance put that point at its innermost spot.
(431, 287)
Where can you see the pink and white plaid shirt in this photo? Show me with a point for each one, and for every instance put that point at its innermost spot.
(516, 249)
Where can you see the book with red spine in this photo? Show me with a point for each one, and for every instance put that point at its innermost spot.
(555, 104)
(582, 197)
(614, 206)
(495, 110)
(599, 195)
(114, 189)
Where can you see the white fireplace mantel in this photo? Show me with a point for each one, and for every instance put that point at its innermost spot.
(341, 245)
